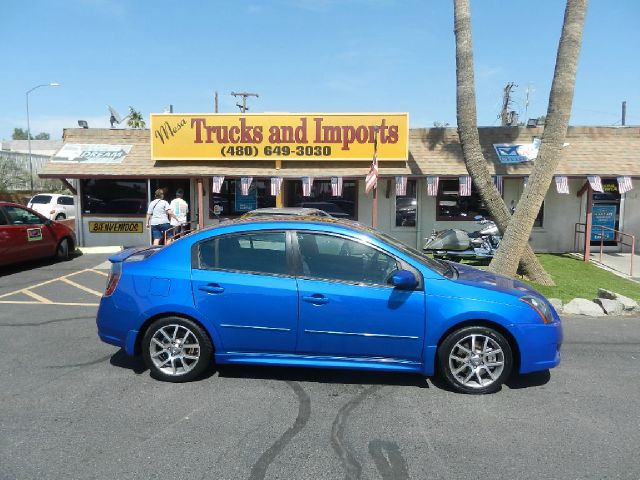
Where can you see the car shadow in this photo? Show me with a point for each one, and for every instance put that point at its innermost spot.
(33, 264)
(321, 375)
(527, 380)
(122, 360)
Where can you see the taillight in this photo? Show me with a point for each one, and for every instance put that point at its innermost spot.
(114, 278)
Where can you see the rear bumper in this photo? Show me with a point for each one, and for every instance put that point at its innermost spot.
(112, 327)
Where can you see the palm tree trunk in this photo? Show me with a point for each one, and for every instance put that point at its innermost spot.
(516, 237)
(468, 132)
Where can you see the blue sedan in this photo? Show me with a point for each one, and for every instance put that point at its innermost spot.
(322, 292)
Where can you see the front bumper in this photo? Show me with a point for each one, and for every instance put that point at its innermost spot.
(539, 346)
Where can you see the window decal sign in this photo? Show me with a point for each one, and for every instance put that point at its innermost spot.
(91, 153)
(291, 136)
(115, 227)
(34, 234)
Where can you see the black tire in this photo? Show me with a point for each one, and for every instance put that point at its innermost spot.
(183, 370)
(60, 216)
(63, 250)
(484, 372)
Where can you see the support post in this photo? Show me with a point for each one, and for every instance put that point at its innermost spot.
(279, 202)
(587, 228)
(374, 208)
(201, 207)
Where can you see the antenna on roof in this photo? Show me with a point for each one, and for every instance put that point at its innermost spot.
(115, 117)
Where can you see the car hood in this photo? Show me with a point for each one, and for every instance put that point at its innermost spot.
(477, 277)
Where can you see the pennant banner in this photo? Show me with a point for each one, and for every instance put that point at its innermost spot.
(562, 184)
(276, 184)
(432, 186)
(464, 187)
(596, 183)
(624, 184)
(336, 186)
(498, 181)
(307, 183)
(245, 184)
(401, 186)
(216, 184)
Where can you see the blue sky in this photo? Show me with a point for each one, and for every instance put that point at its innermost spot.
(303, 56)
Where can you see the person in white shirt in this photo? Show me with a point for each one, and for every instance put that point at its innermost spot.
(180, 208)
(158, 215)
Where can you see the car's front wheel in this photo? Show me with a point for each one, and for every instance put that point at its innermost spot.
(475, 360)
(176, 350)
(64, 250)
(60, 216)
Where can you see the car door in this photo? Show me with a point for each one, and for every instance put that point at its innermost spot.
(33, 237)
(244, 285)
(347, 307)
(11, 241)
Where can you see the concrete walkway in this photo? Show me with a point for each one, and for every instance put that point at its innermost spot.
(618, 263)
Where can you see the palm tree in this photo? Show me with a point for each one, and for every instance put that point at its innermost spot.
(516, 236)
(468, 132)
(135, 119)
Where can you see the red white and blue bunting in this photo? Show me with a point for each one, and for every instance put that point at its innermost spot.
(307, 183)
(432, 186)
(245, 184)
(464, 187)
(216, 183)
(276, 184)
(624, 184)
(595, 182)
(562, 184)
(498, 181)
(401, 186)
(336, 186)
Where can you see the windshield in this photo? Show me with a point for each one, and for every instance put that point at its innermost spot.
(41, 199)
(443, 268)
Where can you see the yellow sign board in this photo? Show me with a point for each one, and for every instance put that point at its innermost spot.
(291, 136)
(115, 227)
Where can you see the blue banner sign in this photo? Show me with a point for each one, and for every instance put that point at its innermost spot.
(245, 203)
(605, 216)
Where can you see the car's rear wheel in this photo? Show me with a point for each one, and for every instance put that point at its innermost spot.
(176, 350)
(475, 360)
(60, 216)
(64, 249)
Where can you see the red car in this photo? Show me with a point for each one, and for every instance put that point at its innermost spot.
(26, 235)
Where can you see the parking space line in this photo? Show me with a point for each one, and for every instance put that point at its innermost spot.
(47, 282)
(81, 287)
(35, 296)
(68, 304)
(98, 272)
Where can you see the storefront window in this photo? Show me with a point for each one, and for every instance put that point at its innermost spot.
(322, 198)
(118, 197)
(407, 206)
(230, 202)
(451, 206)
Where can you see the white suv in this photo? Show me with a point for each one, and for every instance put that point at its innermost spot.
(53, 205)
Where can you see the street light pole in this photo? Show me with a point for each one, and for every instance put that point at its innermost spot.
(53, 84)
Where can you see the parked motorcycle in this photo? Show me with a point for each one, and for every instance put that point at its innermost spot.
(456, 244)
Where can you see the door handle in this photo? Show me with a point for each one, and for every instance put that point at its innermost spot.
(211, 288)
(316, 299)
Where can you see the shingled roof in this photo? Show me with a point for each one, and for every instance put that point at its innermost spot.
(605, 151)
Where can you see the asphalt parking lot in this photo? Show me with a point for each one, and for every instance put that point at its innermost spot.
(73, 407)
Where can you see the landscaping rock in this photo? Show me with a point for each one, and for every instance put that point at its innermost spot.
(628, 303)
(557, 304)
(582, 306)
(610, 307)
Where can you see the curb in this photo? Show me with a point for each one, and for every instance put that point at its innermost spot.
(97, 250)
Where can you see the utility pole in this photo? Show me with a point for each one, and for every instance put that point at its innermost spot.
(505, 119)
(624, 113)
(243, 108)
(215, 102)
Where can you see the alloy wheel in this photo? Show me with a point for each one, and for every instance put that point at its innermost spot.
(476, 361)
(174, 350)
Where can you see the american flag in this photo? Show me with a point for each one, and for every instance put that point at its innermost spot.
(562, 184)
(624, 184)
(216, 184)
(276, 183)
(464, 186)
(595, 182)
(401, 186)
(432, 186)
(498, 181)
(307, 183)
(336, 186)
(371, 179)
(245, 184)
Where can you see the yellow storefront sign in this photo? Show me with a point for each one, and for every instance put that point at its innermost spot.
(303, 136)
(115, 227)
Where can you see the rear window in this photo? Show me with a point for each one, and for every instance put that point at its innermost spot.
(41, 199)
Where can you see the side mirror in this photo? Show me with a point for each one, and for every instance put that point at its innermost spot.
(403, 280)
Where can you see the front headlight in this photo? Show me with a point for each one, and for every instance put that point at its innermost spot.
(539, 306)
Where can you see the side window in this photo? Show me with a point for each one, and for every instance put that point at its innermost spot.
(65, 200)
(247, 252)
(20, 216)
(336, 258)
